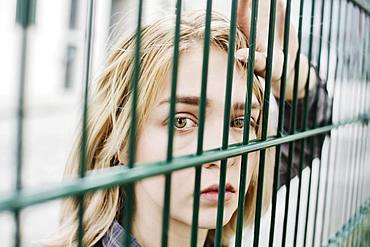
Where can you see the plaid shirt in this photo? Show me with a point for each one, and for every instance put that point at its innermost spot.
(114, 236)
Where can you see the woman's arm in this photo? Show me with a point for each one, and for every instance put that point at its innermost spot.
(317, 87)
(319, 112)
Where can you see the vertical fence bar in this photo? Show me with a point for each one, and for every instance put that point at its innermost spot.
(352, 80)
(339, 67)
(326, 120)
(226, 124)
(86, 80)
(364, 124)
(166, 204)
(356, 127)
(313, 5)
(368, 98)
(293, 119)
(345, 128)
(280, 128)
(127, 215)
(353, 128)
(338, 173)
(362, 94)
(348, 169)
(247, 114)
(202, 111)
(25, 16)
(364, 79)
(266, 105)
(337, 94)
(367, 145)
(305, 120)
(316, 117)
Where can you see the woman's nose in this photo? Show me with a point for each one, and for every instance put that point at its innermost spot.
(212, 165)
(217, 164)
(213, 135)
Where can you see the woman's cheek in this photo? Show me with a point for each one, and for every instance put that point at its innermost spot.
(151, 145)
(185, 142)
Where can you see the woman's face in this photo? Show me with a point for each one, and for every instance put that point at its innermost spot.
(152, 141)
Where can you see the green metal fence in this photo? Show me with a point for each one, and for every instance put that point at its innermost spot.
(344, 36)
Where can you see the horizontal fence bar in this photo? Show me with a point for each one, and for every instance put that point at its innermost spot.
(122, 175)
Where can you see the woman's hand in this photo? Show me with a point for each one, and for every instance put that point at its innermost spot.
(244, 21)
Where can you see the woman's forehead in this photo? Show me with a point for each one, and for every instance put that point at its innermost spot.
(190, 74)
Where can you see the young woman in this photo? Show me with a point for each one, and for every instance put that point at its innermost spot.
(108, 131)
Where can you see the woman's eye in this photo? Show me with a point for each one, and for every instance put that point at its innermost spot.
(184, 123)
(238, 123)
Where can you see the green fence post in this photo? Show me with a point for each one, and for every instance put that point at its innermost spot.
(293, 120)
(348, 169)
(358, 154)
(315, 118)
(26, 12)
(226, 123)
(329, 166)
(265, 116)
(343, 84)
(280, 128)
(357, 111)
(247, 114)
(305, 124)
(84, 136)
(202, 114)
(127, 215)
(167, 198)
(362, 157)
(306, 115)
(338, 91)
(25, 16)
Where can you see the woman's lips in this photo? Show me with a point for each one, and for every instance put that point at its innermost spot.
(211, 193)
(213, 196)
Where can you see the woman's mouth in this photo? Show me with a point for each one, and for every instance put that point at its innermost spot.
(210, 193)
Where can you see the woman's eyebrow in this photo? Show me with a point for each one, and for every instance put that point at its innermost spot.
(241, 106)
(195, 100)
(189, 100)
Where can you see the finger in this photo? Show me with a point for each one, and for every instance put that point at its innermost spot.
(280, 21)
(244, 6)
(244, 16)
(259, 60)
(277, 65)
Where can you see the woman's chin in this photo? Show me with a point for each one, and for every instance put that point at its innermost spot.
(210, 221)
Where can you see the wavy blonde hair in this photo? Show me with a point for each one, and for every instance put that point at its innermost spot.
(109, 112)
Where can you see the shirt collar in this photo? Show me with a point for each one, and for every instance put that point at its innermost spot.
(114, 236)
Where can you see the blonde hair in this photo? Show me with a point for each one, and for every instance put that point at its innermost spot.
(109, 111)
